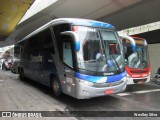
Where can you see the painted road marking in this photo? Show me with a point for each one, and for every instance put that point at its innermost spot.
(146, 91)
(139, 92)
(1, 81)
(123, 94)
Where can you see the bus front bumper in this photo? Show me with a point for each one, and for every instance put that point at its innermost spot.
(85, 92)
(138, 80)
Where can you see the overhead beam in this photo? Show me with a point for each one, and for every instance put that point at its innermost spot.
(11, 12)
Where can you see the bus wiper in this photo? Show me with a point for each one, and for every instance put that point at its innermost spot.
(99, 57)
(119, 70)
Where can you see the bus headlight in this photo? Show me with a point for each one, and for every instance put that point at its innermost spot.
(149, 74)
(124, 79)
(128, 76)
(84, 82)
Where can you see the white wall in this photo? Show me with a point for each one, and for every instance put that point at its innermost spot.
(154, 52)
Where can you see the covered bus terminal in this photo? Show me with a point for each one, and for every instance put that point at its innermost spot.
(18, 18)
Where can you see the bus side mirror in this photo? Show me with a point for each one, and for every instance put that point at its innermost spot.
(132, 42)
(74, 36)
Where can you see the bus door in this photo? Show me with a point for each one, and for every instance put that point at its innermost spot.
(68, 58)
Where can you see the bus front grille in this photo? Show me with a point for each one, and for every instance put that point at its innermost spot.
(100, 85)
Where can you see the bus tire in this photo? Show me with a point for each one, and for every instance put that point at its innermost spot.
(158, 81)
(3, 67)
(55, 87)
(18, 71)
(21, 75)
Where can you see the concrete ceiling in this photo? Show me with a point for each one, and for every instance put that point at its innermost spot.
(141, 13)
(11, 12)
(121, 13)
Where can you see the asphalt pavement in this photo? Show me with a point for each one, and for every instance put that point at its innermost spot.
(27, 95)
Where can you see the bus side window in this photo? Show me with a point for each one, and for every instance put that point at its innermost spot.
(47, 41)
(57, 30)
(67, 53)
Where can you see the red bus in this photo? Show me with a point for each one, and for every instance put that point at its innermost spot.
(137, 59)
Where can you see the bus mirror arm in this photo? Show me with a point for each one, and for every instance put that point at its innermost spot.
(75, 37)
(133, 44)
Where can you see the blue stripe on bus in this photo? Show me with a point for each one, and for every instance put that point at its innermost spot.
(100, 24)
(92, 23)
(95, 79)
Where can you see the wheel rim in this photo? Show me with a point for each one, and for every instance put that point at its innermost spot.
(55, 87)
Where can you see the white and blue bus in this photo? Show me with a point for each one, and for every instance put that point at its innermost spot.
(75, 57)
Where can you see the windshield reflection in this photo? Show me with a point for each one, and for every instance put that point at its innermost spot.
(138, 58)
(100, 50)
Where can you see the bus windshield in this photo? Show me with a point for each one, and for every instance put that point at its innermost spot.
(139, 58)
(100, 50)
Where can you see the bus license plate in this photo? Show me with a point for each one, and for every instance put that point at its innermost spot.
(140, 82)
(110, 91)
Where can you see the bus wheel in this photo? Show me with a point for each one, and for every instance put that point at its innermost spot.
(158, 81)
(21, 74)
(3, 67)
(56, 87)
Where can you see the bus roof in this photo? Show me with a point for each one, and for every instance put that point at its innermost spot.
(137, 38)
(86, 22)
(73, 21)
